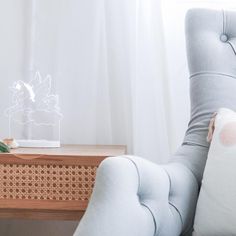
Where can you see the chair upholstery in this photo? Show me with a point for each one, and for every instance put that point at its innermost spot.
(134, 197)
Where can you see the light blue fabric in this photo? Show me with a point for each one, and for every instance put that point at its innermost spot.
(134, 197)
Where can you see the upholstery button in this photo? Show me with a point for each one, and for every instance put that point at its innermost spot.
(223, 38)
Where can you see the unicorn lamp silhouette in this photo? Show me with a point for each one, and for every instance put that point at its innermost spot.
(34, 116)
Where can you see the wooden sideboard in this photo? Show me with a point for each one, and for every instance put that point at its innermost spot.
(50, 183)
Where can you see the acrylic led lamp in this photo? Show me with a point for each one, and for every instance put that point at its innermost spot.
(34, 116)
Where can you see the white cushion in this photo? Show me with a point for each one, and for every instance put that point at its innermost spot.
(216, 207)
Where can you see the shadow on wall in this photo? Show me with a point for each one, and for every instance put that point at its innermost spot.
(37, 228)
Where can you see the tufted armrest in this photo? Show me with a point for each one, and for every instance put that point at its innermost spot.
(135, 197)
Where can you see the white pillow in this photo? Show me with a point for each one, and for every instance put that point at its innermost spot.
(216, 207)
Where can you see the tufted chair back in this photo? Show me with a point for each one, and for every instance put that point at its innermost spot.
(211, 52)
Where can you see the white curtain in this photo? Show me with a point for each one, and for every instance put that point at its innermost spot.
(107, 62)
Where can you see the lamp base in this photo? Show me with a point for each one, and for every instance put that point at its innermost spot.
(38, 143)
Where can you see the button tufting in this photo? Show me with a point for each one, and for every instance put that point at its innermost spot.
(139, 198)
(224, 38)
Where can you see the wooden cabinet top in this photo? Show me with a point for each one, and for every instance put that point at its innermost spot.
(74, 150)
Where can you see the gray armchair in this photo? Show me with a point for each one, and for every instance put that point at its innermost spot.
(134, 197)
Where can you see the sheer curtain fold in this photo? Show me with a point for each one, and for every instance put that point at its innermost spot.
(150, 84)
(136, 77)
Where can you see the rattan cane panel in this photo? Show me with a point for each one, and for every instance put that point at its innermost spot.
(46, 182)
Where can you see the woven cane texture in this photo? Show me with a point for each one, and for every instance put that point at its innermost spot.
(46, 182)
